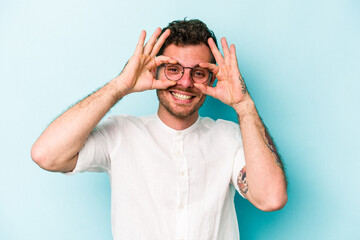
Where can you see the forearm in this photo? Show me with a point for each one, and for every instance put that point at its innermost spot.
(63, 138)
(58, 146)
(262, 180)
(264, 171)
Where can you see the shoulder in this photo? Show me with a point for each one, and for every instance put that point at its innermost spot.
(116, 127)
(129, 121)
(225, 134)
(220, 127)
(218, 124)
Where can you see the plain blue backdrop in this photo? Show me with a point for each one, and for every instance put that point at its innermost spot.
(300, 61)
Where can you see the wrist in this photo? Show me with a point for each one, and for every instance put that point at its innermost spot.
(121, 87)
(245, 108)
(118, 87)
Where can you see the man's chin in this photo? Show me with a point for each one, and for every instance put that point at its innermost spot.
(183, 115)
(179, 111)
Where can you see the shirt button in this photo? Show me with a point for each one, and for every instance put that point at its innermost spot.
(177, 152)
(182, 173)
(181, 206)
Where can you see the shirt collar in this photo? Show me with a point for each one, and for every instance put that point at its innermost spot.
(173, 131)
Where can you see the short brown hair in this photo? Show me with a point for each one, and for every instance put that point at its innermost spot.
(188, 32)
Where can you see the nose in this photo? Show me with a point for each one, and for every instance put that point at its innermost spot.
(186, 80)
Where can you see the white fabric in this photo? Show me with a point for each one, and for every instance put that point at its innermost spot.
(168, 184)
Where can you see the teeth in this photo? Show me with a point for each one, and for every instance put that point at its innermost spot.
(180, 96)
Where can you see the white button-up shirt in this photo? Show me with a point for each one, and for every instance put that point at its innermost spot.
(168, 184)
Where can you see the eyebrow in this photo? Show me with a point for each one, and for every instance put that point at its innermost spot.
(197, 65)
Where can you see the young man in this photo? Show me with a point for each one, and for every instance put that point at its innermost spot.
(173, 175)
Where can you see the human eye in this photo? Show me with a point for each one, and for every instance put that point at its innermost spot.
(173, 69)
(200, 73)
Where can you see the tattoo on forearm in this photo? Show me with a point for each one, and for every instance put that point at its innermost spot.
(241, 181)
(270, 144)
(243, 86)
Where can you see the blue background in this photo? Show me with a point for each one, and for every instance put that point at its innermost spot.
(300, 61)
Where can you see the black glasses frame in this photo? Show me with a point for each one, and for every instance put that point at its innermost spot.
(191, 70)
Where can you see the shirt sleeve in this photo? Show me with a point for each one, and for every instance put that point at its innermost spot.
(238, 165)
(94, 155)
(239, 158)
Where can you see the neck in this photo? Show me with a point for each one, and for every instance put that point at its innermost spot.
(175, 122)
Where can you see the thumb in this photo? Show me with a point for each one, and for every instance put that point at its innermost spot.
(162, 84)
(205, 89)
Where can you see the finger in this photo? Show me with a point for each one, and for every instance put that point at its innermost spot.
(212, 67)
(205, 89)
(160, 42)
(215, 51)
(164, 59)
(163, 84)
(140, 44)
(233, 57)
(150, 44)
(225, 48)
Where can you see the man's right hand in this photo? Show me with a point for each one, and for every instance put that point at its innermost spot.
(58, 146)
(139, 73)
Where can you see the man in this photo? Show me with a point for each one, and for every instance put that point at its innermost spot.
(173, 175)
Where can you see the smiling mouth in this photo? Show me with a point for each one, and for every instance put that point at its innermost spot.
(181, 96)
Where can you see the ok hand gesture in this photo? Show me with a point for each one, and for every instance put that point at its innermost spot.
(230, 88)
(139, 73)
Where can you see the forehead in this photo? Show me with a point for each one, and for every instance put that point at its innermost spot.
(189, 55)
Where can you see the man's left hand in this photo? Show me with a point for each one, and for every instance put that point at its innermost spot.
(230, 88)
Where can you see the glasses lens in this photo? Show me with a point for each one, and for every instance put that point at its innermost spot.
(200, 75)
(174, 71)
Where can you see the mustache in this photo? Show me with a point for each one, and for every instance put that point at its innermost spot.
(188, 90)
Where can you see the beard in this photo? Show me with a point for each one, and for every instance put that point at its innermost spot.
(180, 111)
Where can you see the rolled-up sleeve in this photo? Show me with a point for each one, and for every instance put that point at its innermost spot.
(239, 156)
(239, 163)
(94, 155)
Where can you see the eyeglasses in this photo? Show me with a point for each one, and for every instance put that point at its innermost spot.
(175, 72)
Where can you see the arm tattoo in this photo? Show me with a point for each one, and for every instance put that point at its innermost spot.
(243, 87)
(270, 144)
(241, 181)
